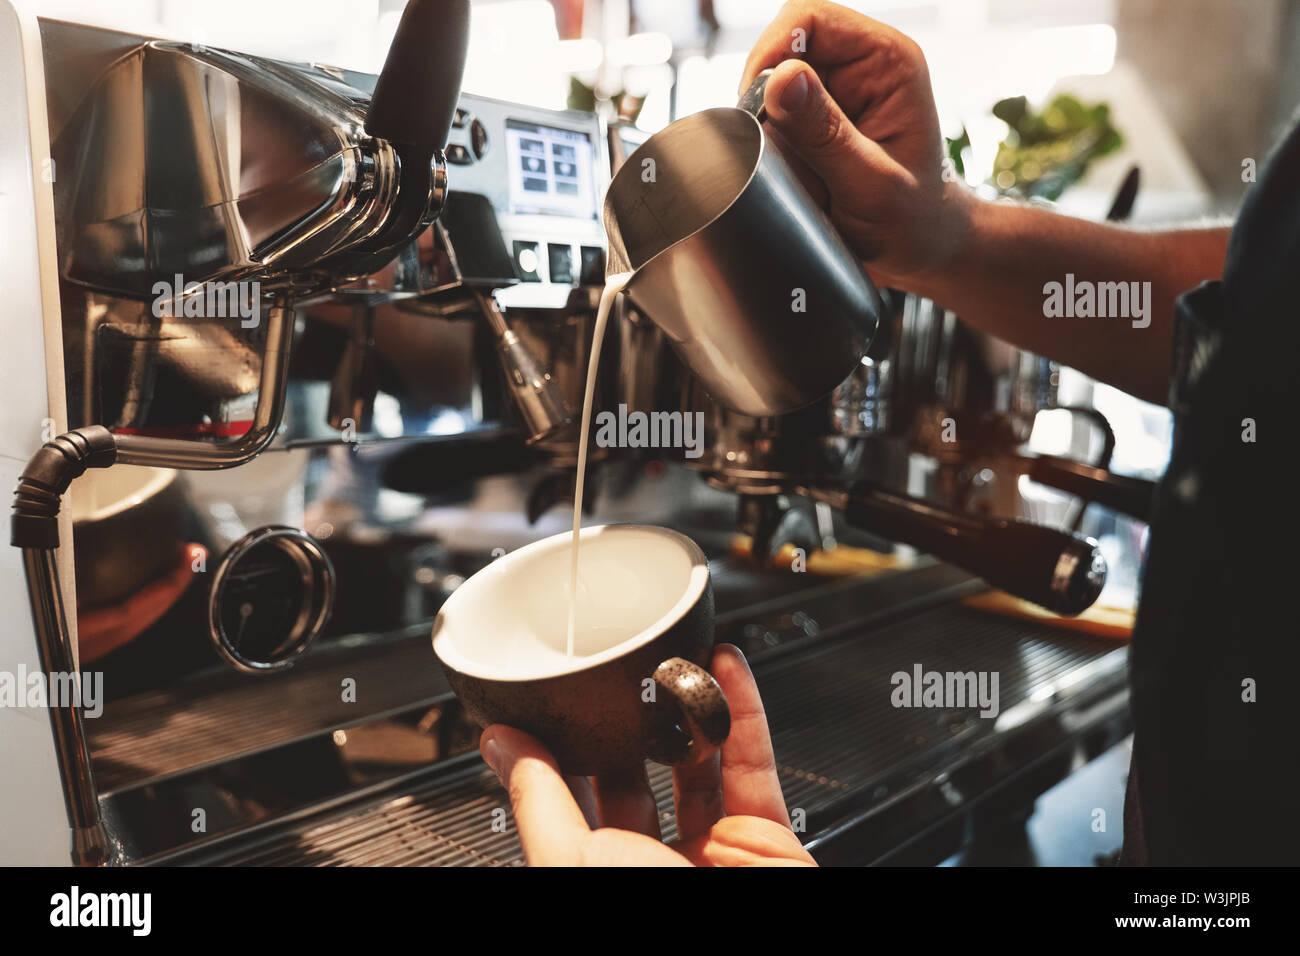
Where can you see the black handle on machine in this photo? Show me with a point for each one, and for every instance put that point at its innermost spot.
(1093, 482)
(1059, 571)
(1127, 495)
(416, 94)
(413, 107)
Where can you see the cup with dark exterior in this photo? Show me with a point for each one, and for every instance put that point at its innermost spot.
(636, 686)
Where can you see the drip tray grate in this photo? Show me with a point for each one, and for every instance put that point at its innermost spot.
(836, 734)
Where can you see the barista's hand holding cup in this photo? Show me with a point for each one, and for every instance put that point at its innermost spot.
(730, 809)
(637, 686)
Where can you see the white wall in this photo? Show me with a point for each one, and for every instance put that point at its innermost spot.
(33, 823)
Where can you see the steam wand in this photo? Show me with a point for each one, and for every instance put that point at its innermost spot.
(536, 395)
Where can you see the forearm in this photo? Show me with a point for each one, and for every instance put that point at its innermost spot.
(1004, 256)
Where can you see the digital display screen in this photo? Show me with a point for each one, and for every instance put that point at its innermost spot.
(551, 170)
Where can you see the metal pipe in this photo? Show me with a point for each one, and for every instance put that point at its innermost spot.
(81, 799)
(211, 456)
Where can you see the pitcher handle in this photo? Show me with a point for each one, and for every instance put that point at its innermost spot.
(752, 99)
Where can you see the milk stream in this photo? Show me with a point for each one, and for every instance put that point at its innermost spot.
(613, 286)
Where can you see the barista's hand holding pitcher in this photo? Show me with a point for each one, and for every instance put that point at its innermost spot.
(851, 98)
(850, 101)
(730, 810)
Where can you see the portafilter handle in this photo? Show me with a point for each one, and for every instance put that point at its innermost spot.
(1122, 493)
(1059, 571)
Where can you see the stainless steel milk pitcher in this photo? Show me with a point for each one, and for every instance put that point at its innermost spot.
(731, 257)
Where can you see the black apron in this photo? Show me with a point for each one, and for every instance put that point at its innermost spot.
(1215, 775)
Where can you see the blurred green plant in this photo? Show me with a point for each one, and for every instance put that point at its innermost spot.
(1047, 152)
(957, 150)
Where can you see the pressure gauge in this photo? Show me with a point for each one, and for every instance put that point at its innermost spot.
(271, 596)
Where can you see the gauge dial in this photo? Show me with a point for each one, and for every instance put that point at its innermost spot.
(271, 596)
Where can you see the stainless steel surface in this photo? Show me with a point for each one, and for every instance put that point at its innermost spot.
(747, 277)
(182, 453)
(487, 181)
(330, 782)
(751, 101)
(562, 341)
(537, 397)
(355, 381)
(128, 531)
(442, 823)
(862, 405)
(742, 452)
(126, 352)
(229, 167)
(193, 177)
(946, 371)
(220, 715)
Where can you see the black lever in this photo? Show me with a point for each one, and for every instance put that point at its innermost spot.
(1127, 495)
(416, 94)
(413, 107)
(1059, 571)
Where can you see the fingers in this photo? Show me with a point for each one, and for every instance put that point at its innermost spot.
(746, 841)
(585, 797)
(697, 796)
(627, 802)
(750, 785)
(551, 825)
(824, 34)
(554, 814)
(786, 37)
(608, 847)
(813, 124)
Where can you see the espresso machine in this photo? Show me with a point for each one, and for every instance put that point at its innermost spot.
(179, 202)
(264, 504)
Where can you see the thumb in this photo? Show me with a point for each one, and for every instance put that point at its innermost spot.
(812, 123)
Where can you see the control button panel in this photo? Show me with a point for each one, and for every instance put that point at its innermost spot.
(543, 173)
(527, 261)
(560, 259)
(478, 139)
(592, 270)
